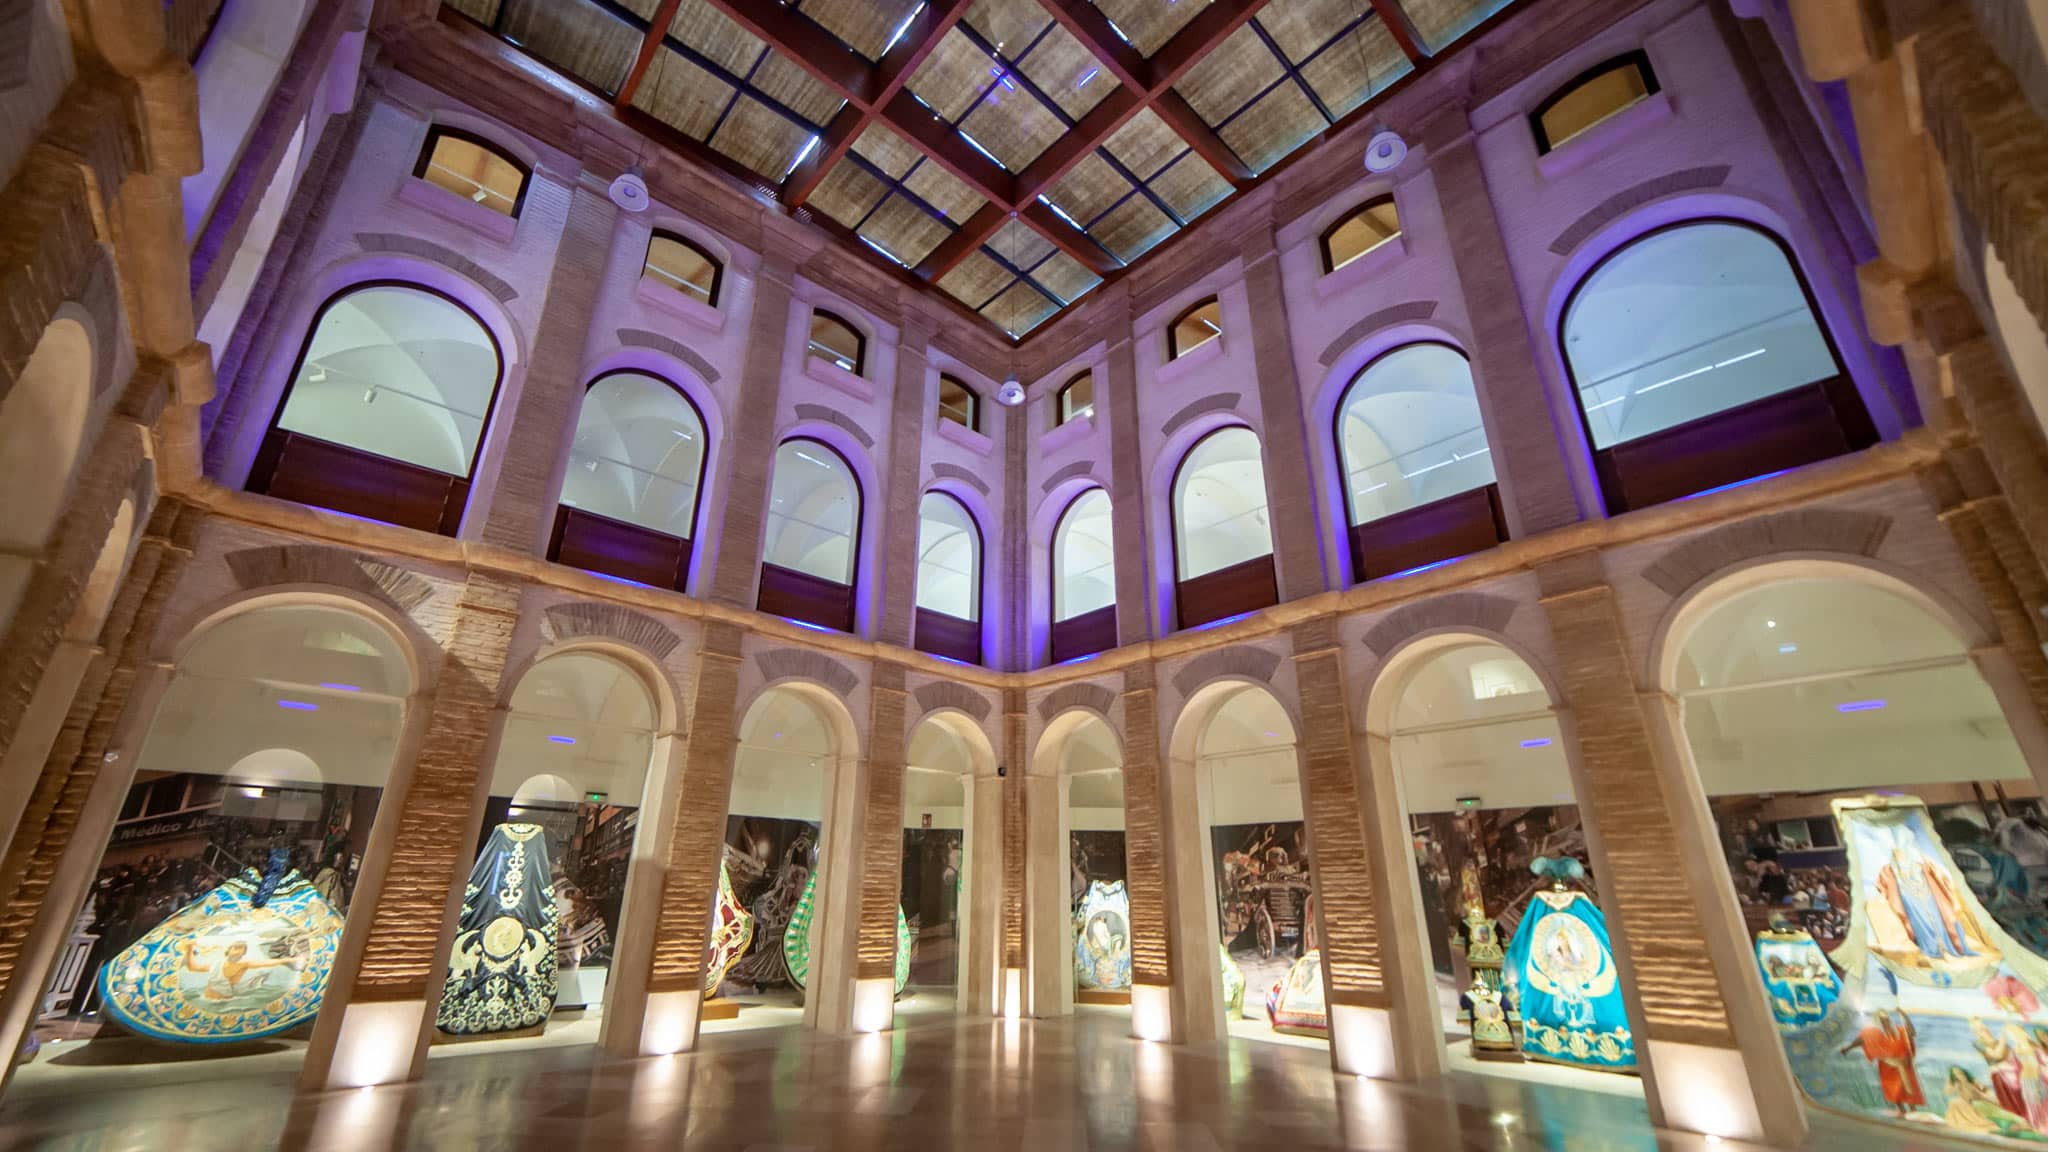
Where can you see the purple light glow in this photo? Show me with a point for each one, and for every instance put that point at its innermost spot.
(1420, 568)
(298, 705)
(561, 739)
(339, 687)
(808, 624)
(1538, 742)
(1860, 706)
(1736, 484)
(1217, 623)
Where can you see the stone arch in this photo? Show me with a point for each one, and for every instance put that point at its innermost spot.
(1082, 695)
(1687, 564)
(675, 350)
(778, 665)
(940, 695)
(1390, 674)
(943, 470)
(636, 657)
(422, 654)
(1414, 312)
(827, 414)
(591, 621)
(1219, 402)
(1473, 611)
(1238, 662)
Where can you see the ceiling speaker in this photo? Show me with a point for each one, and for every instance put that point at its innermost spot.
(1010, 394)
(1385, 152)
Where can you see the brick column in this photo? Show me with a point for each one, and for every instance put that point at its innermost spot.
(35, 917)
(532, 455)
(1348, 878)
(1290, 486)
(675, 986)
(384, 1023)
(881, 855)
(908, 419)
(1145, 799)
(749, 447)
(1011, 993)
(1521, 427)
(1705, 1039)
(1126, 485)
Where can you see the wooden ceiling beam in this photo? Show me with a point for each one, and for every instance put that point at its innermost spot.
(972, 233)
(1181, 116)
(1095, 126)
(1088, 25)
(1395, 17)
(950, 150)
(918, 41)
(664, 15)
(833, 145)
(1070, 239)
(1195, 39)
(808, 45)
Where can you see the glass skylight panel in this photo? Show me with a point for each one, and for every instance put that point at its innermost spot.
(682, 95)
(1009, 23)
(1067, 72)
(866, 26)
(848, 193)
(1356, 67)
(944, 191)
(1149, 24)
(1234, 74)
(576, 36)
(1132, 228)
(1012, 126)
(1190, 186)
(1440, 22)
(1272, 126)
(782, 80)
(1145, 144)
(975, 280)
(714, 35)
(760, 138)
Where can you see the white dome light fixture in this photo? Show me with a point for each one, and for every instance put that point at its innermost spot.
(629, 191)
(1010, 394)
(1385, 151)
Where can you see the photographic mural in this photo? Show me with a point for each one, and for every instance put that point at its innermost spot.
(1900, 947)
(212, 897)
(931, 903)
(1264, 916)
(588, 848)
(1497, 847)
(1100, 906)
(770, 862)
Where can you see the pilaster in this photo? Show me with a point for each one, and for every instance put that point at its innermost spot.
(749, 447)
(1291, 500)
(909, 421)
(1126, 485)
(881, 877)
(1145, 849)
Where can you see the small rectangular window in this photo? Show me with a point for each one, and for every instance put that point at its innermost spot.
(1194, 328)
(683, 266)
(957, 403)
(1077, 399)
(1593, 97)
(472, 169)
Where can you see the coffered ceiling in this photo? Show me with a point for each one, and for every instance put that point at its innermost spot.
(1012, 153)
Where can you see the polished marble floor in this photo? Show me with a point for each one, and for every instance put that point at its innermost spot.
(934, 1084)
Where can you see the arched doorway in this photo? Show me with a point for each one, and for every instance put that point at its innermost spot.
(1886, 841)
(1259, 950)
(1506, 881)
(1082, 897)
(776, 848)
(213, 925)
(561, 825)
(943, 893)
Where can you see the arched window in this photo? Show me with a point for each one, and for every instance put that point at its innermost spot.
(948, 579)
(1223, 547)
(1193, 328)
(1593, 96)
(629, 497)
(684, 266)
(958, 403)
(474, 169)
(1076, 399)
(1418, 475)
(838, 343)
(812, 545)
(1699, 361)
(1370, 225)
(1083, 578)
(385, 409)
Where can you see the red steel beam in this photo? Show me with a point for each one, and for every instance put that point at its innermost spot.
(664, 16)
(1396, 19)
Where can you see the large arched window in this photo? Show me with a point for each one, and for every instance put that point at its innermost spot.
(629, 498)
(1699, 361)
(1083, 578)
(812, 547)
(948, 579)
(1418, 475)
(1223, 546)
(385, 409)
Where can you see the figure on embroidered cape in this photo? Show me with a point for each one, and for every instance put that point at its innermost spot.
(1560, 971)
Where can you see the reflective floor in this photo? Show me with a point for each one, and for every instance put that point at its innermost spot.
(934, 1084)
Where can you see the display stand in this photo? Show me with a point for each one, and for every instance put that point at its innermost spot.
(719, 1008)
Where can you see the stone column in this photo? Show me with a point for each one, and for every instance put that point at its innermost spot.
(625, 1007)
(981, 983)
(1011, 995)
(44, 873)
(1154, 1014)
(675, 983)
(1514, 403)
(532, 454)
(1127, 495)
(1705, 1041)
(380, 1035)
(1410, 973)
(1290, 484)
(1046, 879)
(881, 850)
(749, 448)
(1358, 968)
(908, 419)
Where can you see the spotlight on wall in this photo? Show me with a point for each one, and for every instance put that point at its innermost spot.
(1010, 394)
(1385, 151)
(629, 191)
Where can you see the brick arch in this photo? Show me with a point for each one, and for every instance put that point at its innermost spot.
(1093, 697)
(1799, 530)
(1077, 469)
(1241, 661)
(803, 664)
(1629, 199)
(655, 341)
(586, 621)
(1410, 313)
(951, 694)
(255, 568)
(1220, 402)
(945, 471)
(444, 256)
(1468, 611)
(837, 419)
